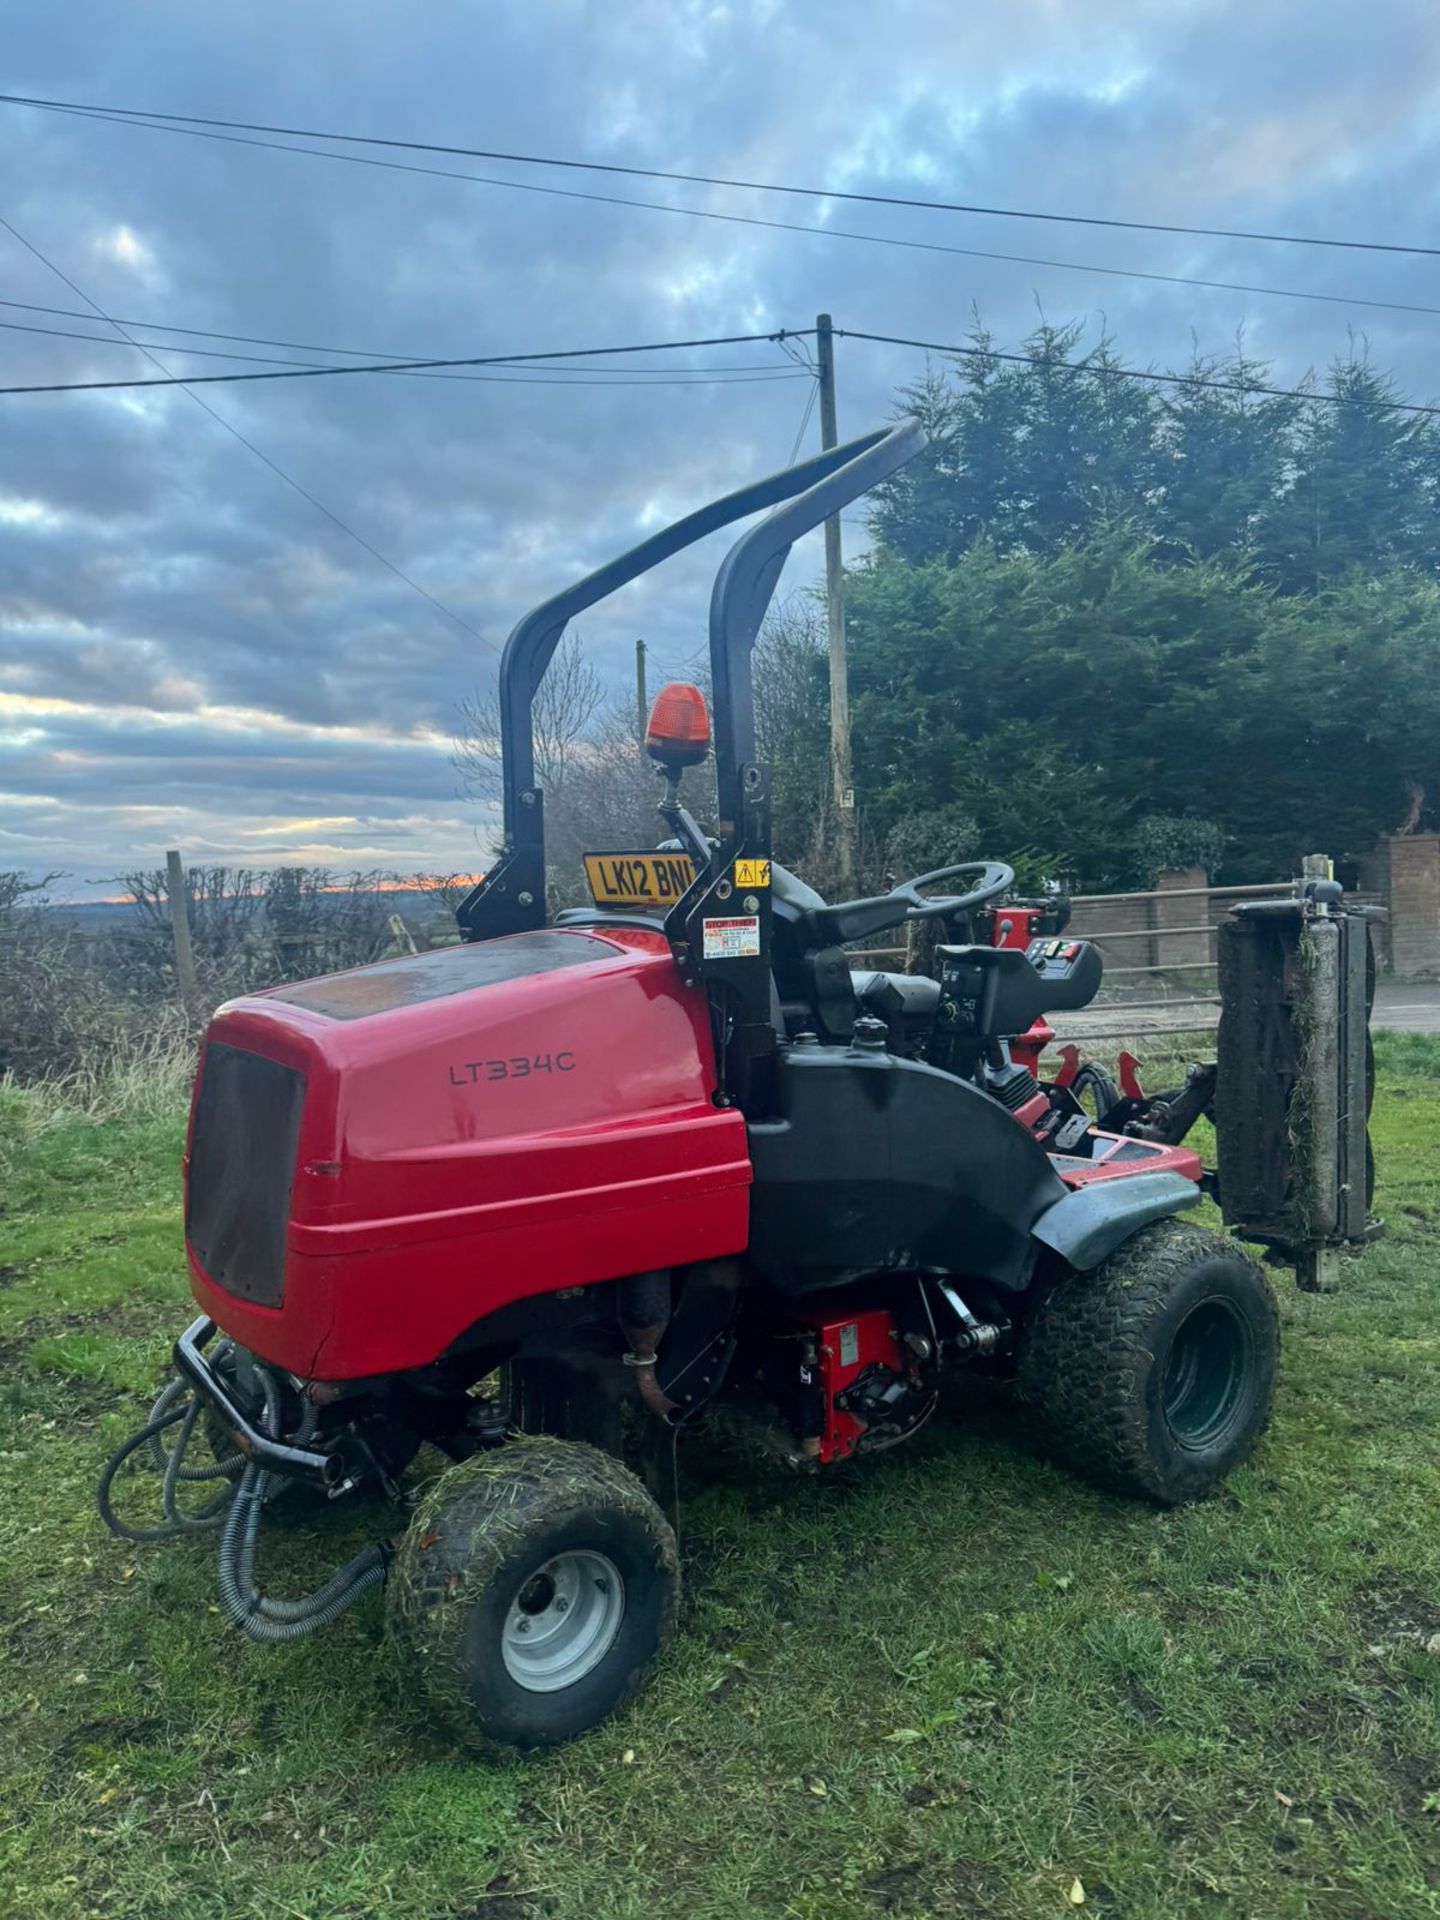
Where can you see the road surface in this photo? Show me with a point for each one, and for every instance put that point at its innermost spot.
(1406, 1007)
(1410, 1009)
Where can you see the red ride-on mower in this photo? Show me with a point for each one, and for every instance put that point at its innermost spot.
(661, 1155)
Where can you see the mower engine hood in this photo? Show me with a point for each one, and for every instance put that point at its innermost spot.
(423, 1141)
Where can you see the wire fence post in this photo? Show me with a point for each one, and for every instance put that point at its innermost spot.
(179, 891)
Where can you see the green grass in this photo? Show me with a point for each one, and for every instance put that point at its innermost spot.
(954, 1682)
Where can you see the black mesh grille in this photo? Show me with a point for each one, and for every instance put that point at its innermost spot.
(242, 1165)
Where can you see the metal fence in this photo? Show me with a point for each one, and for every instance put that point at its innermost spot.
(1177, 964)
(1159, 952)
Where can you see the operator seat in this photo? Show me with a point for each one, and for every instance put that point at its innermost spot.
(788, 890)
(812, 979)
(815, 984)
(907, 1003)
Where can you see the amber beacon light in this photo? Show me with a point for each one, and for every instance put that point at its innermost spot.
(678, 730)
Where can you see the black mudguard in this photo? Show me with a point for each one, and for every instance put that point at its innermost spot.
(1086, 1226)
(882, 1163)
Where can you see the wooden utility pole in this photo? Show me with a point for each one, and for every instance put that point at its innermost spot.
(642, 702)
(842, 778)
(179, 891)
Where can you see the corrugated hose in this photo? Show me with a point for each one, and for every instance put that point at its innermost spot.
(237, 1509)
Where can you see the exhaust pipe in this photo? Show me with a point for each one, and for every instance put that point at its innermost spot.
(644, 1317)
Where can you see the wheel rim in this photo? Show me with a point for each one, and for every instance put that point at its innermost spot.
(563, 1621)
(1204, 1385)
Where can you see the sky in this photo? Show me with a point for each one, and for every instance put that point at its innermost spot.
(194, 654)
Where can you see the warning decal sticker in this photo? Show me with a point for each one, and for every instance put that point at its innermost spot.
(731, 939)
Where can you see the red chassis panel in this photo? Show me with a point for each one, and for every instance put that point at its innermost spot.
(848, 1344)
(1116, 1156)
(431, 1187)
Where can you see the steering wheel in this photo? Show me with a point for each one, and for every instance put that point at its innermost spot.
(998, 879)
(858, 919)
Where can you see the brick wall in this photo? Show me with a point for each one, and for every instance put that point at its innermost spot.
(1405, 872)
(1153, 913)
(1092, 921)
(1190, 910)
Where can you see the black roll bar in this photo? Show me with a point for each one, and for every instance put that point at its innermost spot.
(746, 583)
(511, 898)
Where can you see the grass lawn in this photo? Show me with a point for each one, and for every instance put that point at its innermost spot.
(952, 1682)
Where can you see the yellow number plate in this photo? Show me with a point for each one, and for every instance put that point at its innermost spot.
(638, 879)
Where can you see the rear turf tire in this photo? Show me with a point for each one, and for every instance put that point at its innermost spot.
(474, 1595)
(1154, 1374)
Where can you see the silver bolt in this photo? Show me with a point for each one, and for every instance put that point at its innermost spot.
(522, 1626)
(561, 1605)
(527, 899)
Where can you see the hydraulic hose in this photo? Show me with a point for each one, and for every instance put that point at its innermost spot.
(244, 1494)
(171, 1409)
(212, 1513)
(149, 1433)
(225, 1469)
(275, 1621)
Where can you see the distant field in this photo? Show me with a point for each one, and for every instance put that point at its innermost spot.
(953, 1682)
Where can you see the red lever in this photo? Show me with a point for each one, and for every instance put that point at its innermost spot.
(1129, 1077)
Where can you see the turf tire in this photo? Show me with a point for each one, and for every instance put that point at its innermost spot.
(479, 1540)
(1107, 1355)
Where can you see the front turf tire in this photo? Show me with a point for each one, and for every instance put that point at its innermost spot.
(534, 1589)
(1154, 1374)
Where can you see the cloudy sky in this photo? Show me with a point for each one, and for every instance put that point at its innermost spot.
(193, 654)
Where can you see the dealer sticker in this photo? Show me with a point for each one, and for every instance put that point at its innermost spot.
(731, 939)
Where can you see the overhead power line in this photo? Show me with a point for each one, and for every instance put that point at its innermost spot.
(618, 377)
(114, 118)
(236, 434)
(1103, 370)
(311, 346)
(1099, 368)
(720, 180)
(804, 421)
(386, 366)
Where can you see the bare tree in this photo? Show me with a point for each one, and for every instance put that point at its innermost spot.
(16, 885)
(600, 786)
(58, 1010)
(607, 803)
(566, 708)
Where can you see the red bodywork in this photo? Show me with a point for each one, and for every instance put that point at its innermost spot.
(514, 1128)
(442, 1171)
(1116, 1156)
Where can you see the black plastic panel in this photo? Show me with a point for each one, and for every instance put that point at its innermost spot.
(881, 1163)
(415, 977)
(242, 1167)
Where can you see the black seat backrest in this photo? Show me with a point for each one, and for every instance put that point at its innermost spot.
(789, 890)
(813, 982)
